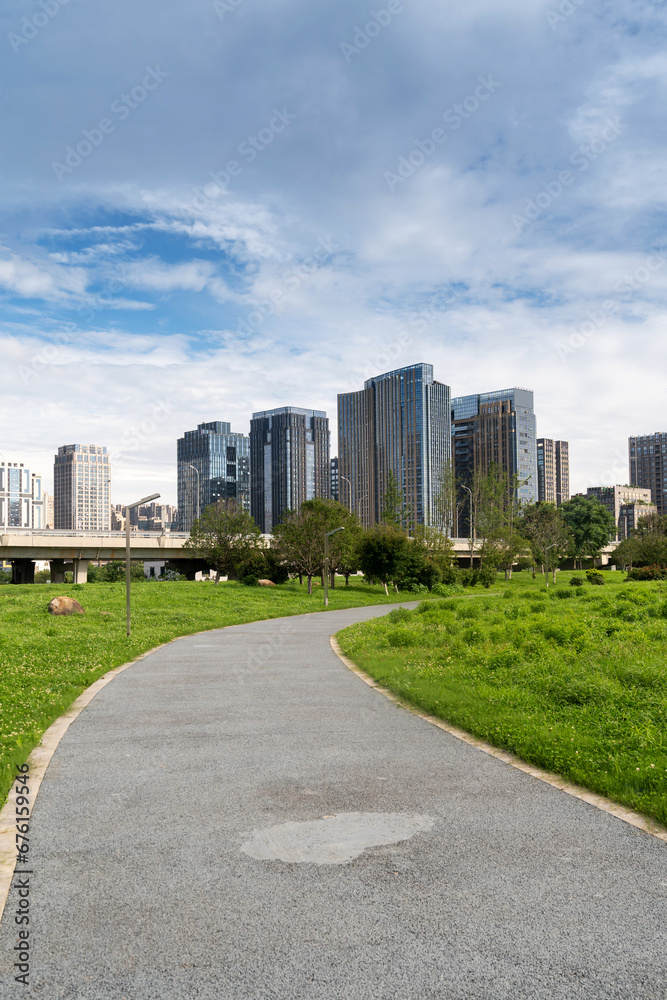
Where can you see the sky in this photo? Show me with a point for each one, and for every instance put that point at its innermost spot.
(214, 207)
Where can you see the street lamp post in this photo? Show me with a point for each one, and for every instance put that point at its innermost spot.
(472, 522)
(326, 563)
(547, 560)
(349, 492)
(196, 472)
(129, 507)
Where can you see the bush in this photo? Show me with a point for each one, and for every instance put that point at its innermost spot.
(401, 637)
(250, 580)
(647, 573)
(561, 593)
(487, 576)
(469, 577)
(400, 615)
(443, 590)
(595, 577)
(449, 576)
(576, 581)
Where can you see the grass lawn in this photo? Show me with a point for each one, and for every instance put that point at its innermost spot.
(573, 680)
(47, 661)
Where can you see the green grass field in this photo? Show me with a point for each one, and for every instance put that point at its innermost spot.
(573, 680)
(47, 661)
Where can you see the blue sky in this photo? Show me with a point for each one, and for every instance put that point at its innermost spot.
(214, 208)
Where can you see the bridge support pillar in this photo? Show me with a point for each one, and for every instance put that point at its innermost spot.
(23, 571)
(80, 571)
(57, 570)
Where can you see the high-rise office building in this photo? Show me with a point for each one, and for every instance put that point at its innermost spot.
(496, 428)
(289, 461)
(213, 463)
(335, 491)
(648, 466)
(553, 471)
(618, 500)
(81, 475)
(398, 423)
(21, 497)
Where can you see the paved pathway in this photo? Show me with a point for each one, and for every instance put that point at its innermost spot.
(483, 883)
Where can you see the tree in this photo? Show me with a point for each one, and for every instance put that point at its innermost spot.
(392, 507)
(224, 536)
(543, 526)
(382, 552)
(437, 548)
(300, 536)
(496, 509)
(591, 526)
(444, 501)
(648, 545)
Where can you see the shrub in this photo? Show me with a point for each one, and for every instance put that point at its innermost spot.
(469, 577)
(595, 577)
(576, 581)
(647, 573)
(561, 593)
(445, 590)
(487, 576)
(250, 580)
(449, 575)
(401, 637)
(417, 588)
(401, 615)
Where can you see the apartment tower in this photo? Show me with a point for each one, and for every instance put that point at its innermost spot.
(398, 423)
(648, 467)
(81, 475)
(553, 471)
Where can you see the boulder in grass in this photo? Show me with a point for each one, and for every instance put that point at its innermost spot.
(266, 583)
(65, 606)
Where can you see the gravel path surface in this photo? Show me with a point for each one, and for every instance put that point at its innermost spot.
(239, 817)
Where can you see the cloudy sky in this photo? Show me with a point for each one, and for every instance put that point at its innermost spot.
(211, 208)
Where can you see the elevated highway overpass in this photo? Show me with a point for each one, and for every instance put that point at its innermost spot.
(71, 551)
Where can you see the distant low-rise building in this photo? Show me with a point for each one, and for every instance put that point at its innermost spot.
(616, 497)
(631, 514)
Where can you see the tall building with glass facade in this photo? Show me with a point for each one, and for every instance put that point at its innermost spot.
(289, 461)
(21, 498)
(81, 475)
(398, 423)
(648, 466)
(553, 471)
(213, 463)
(496, 428)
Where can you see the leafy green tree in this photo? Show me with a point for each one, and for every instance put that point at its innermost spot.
(392, 507)
(382, 553)
(543, 526)
(114, 571)
(224, 537)
(496, 510)
(299, 539)
(591, 526)
(648, 545)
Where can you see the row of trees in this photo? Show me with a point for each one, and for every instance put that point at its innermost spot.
(504, 531)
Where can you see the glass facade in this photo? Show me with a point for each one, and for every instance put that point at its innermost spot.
(289, 461)
(213, 463)
(648, 466)
(398, 423)
(497, 427)
(21, 500)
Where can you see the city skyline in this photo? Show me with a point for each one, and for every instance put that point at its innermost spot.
(481, 187)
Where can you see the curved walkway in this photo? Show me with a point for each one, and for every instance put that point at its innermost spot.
(413, 865)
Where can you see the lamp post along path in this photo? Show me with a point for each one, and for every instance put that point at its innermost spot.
(129, 507)
(327, 535)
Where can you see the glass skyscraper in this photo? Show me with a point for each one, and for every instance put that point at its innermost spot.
(399, 423)
(213, 463)
(496, 427)
(289, 461)
(648, 466)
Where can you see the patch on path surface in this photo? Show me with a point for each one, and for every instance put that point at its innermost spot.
(334, 839)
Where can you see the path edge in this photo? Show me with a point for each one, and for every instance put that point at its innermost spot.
(38, 761)
(635, 819)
